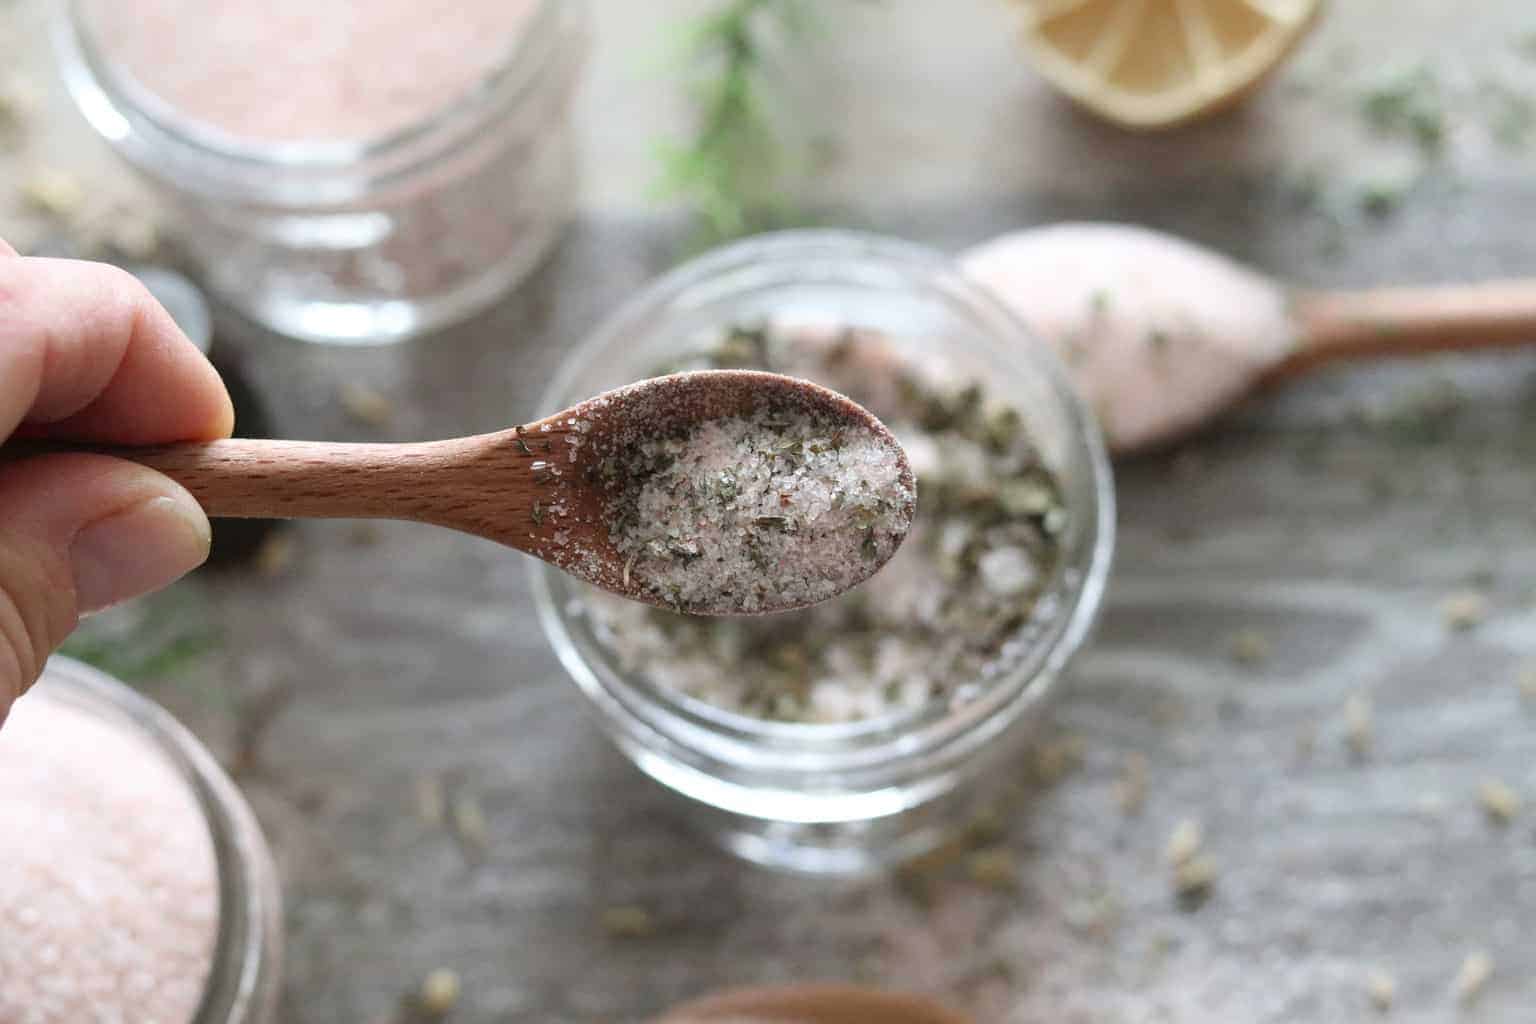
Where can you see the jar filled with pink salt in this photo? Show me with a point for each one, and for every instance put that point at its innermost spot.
(353, 171)
(136, 885)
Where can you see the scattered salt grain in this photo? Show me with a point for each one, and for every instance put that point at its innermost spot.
(109, 892)
(1007, 572)
(1472, 979)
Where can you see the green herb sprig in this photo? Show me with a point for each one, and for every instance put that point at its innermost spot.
(730, 172)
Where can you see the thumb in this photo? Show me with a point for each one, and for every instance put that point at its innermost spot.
(79, 533)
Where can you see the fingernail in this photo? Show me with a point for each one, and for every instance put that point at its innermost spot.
(137, 550)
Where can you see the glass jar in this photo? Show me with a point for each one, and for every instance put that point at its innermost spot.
(844, 798)
(244, 974)
(359, 241)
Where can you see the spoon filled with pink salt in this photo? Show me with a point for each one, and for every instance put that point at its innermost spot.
(719, 492)
(1161, 335)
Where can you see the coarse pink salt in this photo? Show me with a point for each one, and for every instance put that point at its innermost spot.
(290, 70)
(108, 883)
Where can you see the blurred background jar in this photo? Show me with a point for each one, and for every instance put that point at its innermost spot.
(855, 796)
(137, 883)
(347, 173)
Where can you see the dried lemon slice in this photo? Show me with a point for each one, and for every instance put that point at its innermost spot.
(1152, 63)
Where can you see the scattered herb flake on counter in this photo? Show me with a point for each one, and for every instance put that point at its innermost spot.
(778, 507)
(1476, 970)
(1381, 988)
(1527, 683)
(628, 922)
(995, 867)
(431, 802)
(934, 622)
(1250, 647)
(1184, 843)
(54, 193)
(1131, 788)
(439, 992)
(1499, 800)
(365, 404)
(1193, 872)
(470, 824)
(1464, 609)
(1193, 880)
(1359, 727)
(1381, 198)
(1408, 105)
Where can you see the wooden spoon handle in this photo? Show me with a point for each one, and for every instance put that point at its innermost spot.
(1410, 321)
(242, 478)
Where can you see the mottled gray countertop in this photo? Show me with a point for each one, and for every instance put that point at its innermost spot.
(1332, 520)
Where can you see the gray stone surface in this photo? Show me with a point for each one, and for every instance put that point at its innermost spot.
(1332, 519)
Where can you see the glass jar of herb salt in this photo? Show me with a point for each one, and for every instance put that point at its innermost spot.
(865, 730)
(357, 171)
(137, 884)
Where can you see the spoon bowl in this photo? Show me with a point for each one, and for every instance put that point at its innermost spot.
(1162, 335)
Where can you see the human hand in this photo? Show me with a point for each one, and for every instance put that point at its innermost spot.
(86, 354)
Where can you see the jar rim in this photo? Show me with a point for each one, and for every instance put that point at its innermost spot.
(243, 972)
(117, 106)
(881, 741)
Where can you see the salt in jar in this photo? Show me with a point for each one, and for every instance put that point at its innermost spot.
(863, 731)
(360, 171)
(137, 885)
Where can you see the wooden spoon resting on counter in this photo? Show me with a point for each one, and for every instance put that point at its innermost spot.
(811, 1004)
(1161, 335)
(551, 488)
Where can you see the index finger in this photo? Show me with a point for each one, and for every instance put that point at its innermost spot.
(87, 354)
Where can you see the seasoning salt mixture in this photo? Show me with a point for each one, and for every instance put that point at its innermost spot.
(933, 622)
(108, 884)
(784, 506)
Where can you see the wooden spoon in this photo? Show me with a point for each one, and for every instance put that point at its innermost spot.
(811, 1004)
(1161, 334)
(534, 487)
